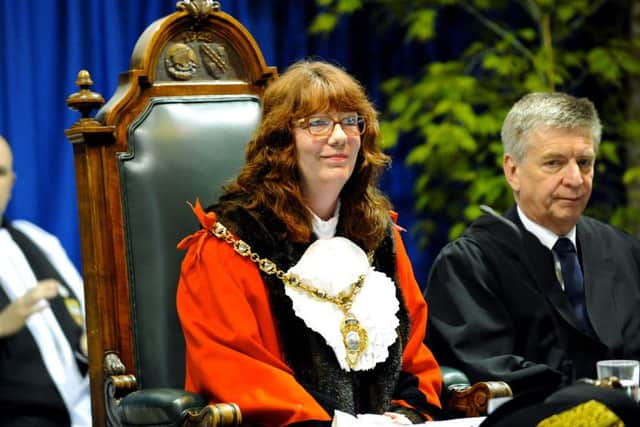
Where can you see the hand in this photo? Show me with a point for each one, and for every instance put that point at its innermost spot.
(15, 315)
(398, 418)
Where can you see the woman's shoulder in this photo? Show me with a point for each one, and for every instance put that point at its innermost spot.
(228, 221)
(205, 235)
(212, 249)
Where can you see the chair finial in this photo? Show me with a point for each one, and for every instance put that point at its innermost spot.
(199, 9)
(84, 100)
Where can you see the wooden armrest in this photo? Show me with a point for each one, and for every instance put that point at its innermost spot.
(214, 415)
(163, 406)
(117, 386)
(472, 401)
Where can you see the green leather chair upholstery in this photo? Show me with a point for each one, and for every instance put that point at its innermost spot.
(162, 171)
(180, 149)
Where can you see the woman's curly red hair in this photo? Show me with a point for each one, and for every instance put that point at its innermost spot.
(270, 176)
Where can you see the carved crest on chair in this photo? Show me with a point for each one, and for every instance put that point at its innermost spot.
(181, 61)
(214, 58)
(195, 50)
(198, 56)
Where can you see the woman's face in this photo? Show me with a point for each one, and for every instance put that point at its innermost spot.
(327, 146)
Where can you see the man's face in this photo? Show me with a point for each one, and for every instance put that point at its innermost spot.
(552, 184)
(7, 176)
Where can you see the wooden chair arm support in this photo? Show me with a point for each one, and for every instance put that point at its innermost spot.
(129, 407)
(117, 386)
(161, 406)
(214, 415)
(472, 401)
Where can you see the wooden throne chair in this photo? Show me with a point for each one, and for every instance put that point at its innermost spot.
(174, 130)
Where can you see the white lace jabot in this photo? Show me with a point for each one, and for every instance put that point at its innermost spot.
(333, 264)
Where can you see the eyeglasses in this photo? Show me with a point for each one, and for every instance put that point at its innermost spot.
(323, 125)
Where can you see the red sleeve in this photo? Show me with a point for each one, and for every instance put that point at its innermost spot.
(232, 351)
(417, 361)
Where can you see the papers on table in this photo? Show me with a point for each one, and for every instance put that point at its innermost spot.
(458, 422)
(342, 419)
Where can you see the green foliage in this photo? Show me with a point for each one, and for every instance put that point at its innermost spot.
(421, 25)
(348, 6)
(451, 114)
(609, 151)
(324, 22)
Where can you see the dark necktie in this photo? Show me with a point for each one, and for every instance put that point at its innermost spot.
(573, 281)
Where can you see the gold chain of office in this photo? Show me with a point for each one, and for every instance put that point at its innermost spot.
(354, 336)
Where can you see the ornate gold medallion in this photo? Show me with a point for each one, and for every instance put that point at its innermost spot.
(354, 338)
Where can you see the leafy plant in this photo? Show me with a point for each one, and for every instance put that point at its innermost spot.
(452, 111)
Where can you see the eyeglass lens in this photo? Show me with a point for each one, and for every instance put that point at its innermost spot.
(352, 125)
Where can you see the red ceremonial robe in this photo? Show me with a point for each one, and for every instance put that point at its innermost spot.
(233, 348)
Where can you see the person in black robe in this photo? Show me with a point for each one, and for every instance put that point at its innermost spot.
(43, 352)
(501, 304)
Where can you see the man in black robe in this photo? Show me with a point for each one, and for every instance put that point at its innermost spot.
(43, 354)
(503, 304)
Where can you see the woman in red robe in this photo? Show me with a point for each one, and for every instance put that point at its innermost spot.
(297, 298)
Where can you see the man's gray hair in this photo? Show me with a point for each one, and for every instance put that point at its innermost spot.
(540, 110)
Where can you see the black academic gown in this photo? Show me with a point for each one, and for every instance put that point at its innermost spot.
(497, 311)
(28, 395)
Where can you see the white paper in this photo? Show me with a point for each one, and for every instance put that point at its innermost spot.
(342, 419)
(456, 422)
